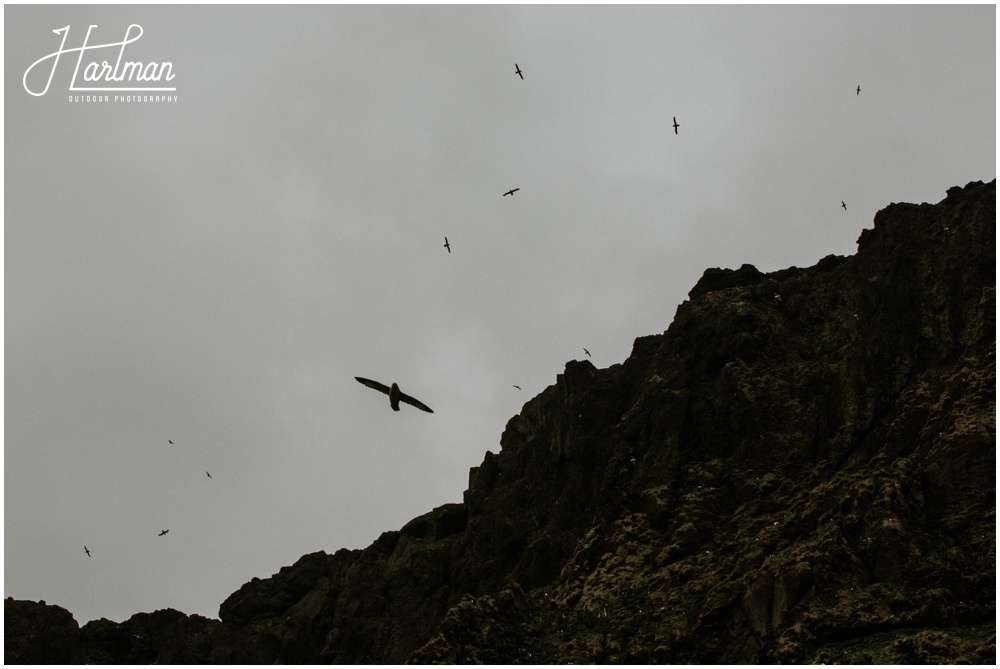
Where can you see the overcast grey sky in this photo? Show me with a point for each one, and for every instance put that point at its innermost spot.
(215, 271)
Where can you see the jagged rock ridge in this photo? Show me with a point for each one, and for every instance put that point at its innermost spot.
(800, 469)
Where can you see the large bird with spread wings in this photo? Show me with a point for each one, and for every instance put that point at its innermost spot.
(395, 395)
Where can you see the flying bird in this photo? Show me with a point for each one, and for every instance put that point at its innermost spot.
(859, 90)
(512, 191)
(447, 245)
(517, 71)
(588, 353)
(395, 395)
(517, 386)
(86, 550)
(162, 533)
(676, 125)
(843, 205)
(208, 475)
(169, 442)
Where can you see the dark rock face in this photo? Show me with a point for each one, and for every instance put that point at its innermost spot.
(718, 279)
(38, 633)
(800, 469)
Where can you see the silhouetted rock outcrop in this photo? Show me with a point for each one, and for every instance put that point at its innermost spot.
(800, 469)
(38, 633)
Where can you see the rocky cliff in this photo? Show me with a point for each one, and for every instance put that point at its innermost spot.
(800, 469)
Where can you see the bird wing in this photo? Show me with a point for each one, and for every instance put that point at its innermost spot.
(403, 397)
(373, 384)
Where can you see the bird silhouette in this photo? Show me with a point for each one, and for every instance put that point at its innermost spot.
(395, 395)
(208, 475)
(169, 442)
(86, 550)
(447, 245)
(512, 191)
(517, 386)
(676, 125)
(517, 71)
(162, 533)
(843, 205)
(859, 90)
(588, 353)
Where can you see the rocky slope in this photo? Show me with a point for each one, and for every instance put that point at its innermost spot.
(800, 469)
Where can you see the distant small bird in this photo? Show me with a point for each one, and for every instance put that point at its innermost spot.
(843, 205)
(208, 475)
(86, 550)
(395, 395)
(512, 191)
(162, 533)
(588, 353)
(517, 386)
(859, 90)
(169, 442)
(517, 71)
(676, 125)
(447, 245)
